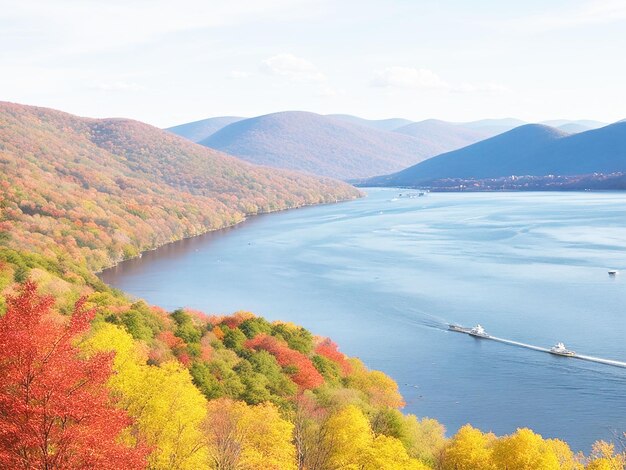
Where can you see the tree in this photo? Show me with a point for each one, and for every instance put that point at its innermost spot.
(603, 457)
(352, 445)
(388, 453)
(379, 388)
(330, 350)
(55, 409)
(294, 362)
(168, 409)
(243, 437)
(348, 435)
(524, 450)
(469, 449)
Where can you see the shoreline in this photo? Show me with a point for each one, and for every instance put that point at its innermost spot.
(246, 217)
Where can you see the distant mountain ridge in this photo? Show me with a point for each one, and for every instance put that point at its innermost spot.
(199, 130)
(532, 149)
(330, 146)
(345, 146)
(391, 124)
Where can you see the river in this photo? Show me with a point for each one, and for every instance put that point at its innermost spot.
(384, 275)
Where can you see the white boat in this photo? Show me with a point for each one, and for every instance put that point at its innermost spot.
(478, 331)
(455, 327)
(560, 350)
(613, 273)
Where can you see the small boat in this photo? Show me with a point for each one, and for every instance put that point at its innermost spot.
(478, 331)
(560, 350)
(613, 273)
(455, 327)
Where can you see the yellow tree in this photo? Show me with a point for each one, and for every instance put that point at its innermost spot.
(566, 458)
(348, 435)
(380, 389)
(352, 445)
(424, 439)
(388, 453)
(243, 437)
(524, 450)
(168, 409)
(469, 449)
(603, 457)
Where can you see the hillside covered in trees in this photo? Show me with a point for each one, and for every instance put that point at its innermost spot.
(103, 190)
(92, 379)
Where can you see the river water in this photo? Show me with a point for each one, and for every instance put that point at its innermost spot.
(385, 274)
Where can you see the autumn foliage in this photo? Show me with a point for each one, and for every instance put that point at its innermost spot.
(55, 410)
(303, 371)
(330, 350)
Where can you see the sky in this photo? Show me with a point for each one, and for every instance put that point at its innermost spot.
(169, 62)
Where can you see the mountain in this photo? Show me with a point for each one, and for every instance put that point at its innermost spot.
(493, 127)
(533, 149)
(441, 136)
(497, 156)
(199, 130)
(318, 144)
(103, 190)
(587, 124)
(380, 124)
(573, 128)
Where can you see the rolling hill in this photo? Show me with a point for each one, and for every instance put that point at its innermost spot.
(322, 145)
(381, 124)
(493, 127)
(533, 149)
(443, 136)
(101, 190)
(199, 130)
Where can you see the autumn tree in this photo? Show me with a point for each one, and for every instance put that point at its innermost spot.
(55, 409)
(524, 450)
(295, 363)
(353, 445)
(469, 449)
(167, 408)
(379, 388)
(244, 437)
(604, 457)
(329, 349)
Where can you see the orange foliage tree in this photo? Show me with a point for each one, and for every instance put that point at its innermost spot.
(55, 409)
(330, 350)
(300, 367)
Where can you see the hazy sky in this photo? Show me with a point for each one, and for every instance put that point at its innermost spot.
(167, 62)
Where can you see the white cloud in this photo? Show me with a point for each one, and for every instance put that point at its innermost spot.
(407, 77)
(291, 66)
(425, 79)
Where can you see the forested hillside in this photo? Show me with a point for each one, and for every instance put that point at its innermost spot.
(104, 190)
(318, 144)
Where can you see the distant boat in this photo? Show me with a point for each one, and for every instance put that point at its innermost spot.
(613, 273)
(479, 332)
(455, 327)
(560, 350)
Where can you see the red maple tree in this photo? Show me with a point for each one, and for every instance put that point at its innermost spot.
(330, 350)
(55, 408)
(301, 369)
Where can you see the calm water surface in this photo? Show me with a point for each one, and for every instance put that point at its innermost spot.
(382, 276)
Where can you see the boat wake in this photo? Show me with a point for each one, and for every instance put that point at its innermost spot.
(472, 332)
